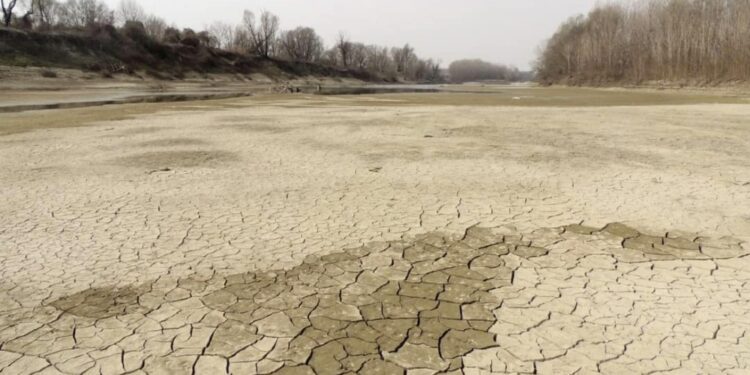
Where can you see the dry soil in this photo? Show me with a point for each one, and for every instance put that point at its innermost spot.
(533, 230)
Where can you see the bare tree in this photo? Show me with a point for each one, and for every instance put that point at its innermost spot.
(301, 44)
(8, 11)
(82, 13)
(358, 56)
(432, 73)
(45, 11)
(330, 57)
(379, 61)
(258, 34)
(241, 41)
(207, 39)
(344, 49)
(262, 32)
(25, 21)
(172, 35)
(155, 27)
(404, 58)
(130, 10)
(223, 33)
(478, 70)
(675, 40)
(388, 63)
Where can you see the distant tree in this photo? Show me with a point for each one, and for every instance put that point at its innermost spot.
(25, 21)
(155, 27)
(45, 12)
(421, 70)
(262, 32)
(258, 34)
(675, 40)
(403, 58)
(343, 48)
(207, 40)
(358, 56)
(330, 57)
(135, 31)
(478, 70)
(241, 41)
(435, 72)
(190, 38)
(130, 10)
(8, 11)
(431, 71)
(388, 63)
(223, 33)
(172, 35)
(379, 61)
(82, 13)
(301, 44)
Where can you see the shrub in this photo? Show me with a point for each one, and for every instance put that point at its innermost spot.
(101, 32)
(135, 31)
(191, 41)
(172, 35)
(95, 67)
(190, 38)
(49, 74)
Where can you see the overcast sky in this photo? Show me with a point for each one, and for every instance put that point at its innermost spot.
(502, 31)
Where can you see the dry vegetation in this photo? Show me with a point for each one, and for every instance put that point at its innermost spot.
(130, 51)
(87, 27)
(690, 41)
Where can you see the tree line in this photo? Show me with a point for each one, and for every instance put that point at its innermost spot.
(473, 70)
(258, 34)
(700, 41)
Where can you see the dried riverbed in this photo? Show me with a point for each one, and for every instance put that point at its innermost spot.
(520, 230)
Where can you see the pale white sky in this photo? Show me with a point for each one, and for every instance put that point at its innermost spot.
(501, 31)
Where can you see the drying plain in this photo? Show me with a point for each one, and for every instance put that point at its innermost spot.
(491, 230)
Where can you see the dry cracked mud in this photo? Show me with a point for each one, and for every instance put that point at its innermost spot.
(323, 236)
(433, 304)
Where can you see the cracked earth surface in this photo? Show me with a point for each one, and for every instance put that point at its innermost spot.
(319, 235)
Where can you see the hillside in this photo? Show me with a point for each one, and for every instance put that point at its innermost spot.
(109, 51)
